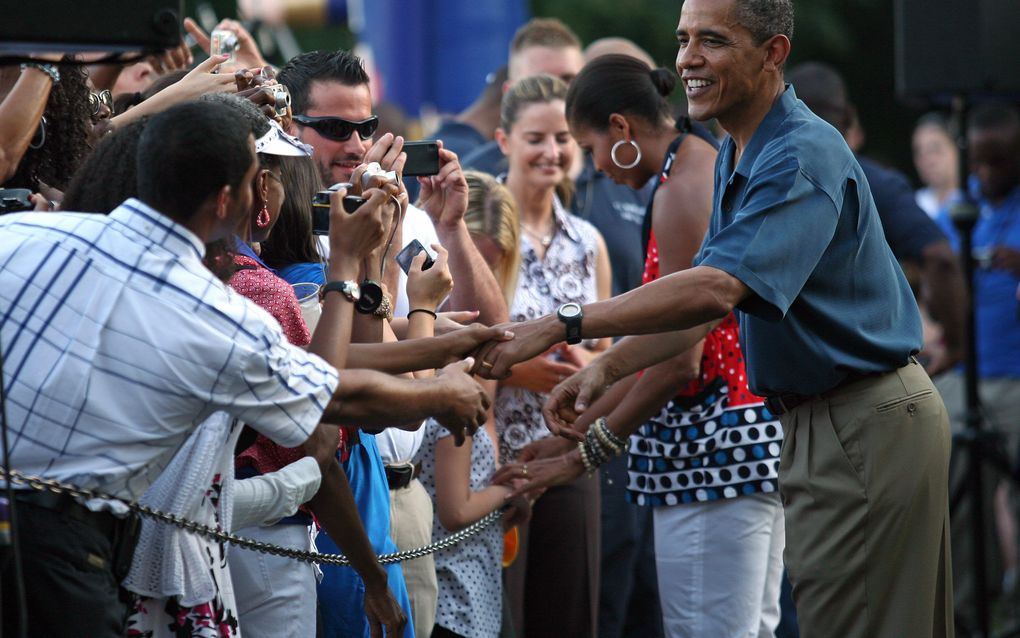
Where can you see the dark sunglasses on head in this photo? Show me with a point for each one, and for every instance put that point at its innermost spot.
(99, 99)
(339, 129)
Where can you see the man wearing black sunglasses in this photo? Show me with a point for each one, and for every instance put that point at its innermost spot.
(332, 110)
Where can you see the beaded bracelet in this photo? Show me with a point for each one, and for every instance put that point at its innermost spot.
(596, 452)
(615, 440)
(385, 309)
(588, 467)
(603, 440)
(49, 69)
(425, 310)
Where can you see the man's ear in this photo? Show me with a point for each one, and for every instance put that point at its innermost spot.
(224, 199)
(501, 140)
(777, 50)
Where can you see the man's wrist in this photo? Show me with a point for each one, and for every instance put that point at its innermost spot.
(552, 330)
(376, 579)
(340, 269)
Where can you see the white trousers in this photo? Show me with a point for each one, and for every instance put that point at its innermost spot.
(275, 595)
(719, 566)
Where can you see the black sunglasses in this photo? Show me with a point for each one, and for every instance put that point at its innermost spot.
(339, 129)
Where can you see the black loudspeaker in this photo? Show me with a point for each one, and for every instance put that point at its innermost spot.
(30, 26)
(953, 47)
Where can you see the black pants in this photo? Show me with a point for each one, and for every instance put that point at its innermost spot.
(443, 632)
(68, 567)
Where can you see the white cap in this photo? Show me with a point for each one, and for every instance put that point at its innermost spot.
(276, 142)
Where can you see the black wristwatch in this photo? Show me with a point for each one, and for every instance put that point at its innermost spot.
(371, 297)
(570, 314)
(349, 289)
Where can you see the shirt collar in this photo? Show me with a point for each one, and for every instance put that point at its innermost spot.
(159, 228)
(766, 130)
(242, 248)
(565, 221)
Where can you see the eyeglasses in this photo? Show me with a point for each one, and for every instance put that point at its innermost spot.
(99, 99)
(337, 128)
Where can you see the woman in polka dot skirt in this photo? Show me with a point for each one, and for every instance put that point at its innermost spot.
(703, 450)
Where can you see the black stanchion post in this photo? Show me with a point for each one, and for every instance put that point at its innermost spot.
(964, 215)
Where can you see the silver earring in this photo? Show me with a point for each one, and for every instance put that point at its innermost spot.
(616, 147)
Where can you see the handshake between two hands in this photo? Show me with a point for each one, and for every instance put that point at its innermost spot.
(492, 352)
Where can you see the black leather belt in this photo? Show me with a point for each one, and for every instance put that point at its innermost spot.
(103, 522)
(400, 476)
(780, 404)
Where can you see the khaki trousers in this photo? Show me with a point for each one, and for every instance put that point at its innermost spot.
(411, 528)
(864, 482)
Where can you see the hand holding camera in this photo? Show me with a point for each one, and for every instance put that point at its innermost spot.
(245, 53)
(444, 196)
(357, 227)
(427, 288)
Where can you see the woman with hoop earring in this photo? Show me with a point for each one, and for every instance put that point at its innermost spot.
(703, 450)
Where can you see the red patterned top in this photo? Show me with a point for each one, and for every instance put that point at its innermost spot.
(275, 296)
(721, 356)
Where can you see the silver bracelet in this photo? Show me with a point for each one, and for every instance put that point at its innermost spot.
(48, 69)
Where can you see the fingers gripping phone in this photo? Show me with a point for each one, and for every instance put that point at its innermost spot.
(405, 256)
(422, 158)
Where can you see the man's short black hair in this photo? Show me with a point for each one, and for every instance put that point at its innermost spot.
(188, 153)
(765, 18)
(823, 90)
(994, 116)
(323, 66)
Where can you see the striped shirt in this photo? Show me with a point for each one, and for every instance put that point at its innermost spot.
(117, 342)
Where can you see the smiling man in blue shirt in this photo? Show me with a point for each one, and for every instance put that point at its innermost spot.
(829, 328)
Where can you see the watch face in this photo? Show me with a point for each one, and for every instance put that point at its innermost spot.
(371, 297)
(569, 310)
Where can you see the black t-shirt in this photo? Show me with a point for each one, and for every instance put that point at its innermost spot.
(908, 229)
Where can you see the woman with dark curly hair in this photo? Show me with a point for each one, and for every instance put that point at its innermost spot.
(109, 175)
(62, 138)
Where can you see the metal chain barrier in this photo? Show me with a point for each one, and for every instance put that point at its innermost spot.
(41, 484)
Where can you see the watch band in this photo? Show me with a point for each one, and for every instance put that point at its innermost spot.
(570, 314)
(349, 289)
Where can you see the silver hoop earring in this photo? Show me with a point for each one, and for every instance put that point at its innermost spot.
(616, 147)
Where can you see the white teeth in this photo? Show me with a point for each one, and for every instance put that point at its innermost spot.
(697, 84)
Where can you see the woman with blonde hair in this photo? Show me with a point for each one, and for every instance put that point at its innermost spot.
(492, 221)
(563, 261)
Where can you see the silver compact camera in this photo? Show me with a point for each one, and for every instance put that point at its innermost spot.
(281, 99)
(222, 42)
(373, 169)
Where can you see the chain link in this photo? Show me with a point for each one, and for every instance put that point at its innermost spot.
(42, 484)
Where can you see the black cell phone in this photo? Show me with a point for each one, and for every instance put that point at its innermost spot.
(422, 158)
(320, 210)
(13, 200)
(409, 252)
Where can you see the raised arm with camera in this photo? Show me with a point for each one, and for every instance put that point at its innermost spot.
(197, 82)
(444, 197)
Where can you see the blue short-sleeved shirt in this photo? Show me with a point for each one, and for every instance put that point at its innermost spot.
(996, 312)
(795, 222)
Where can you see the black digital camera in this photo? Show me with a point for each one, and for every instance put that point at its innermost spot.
(320, 207)
(13, 200)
